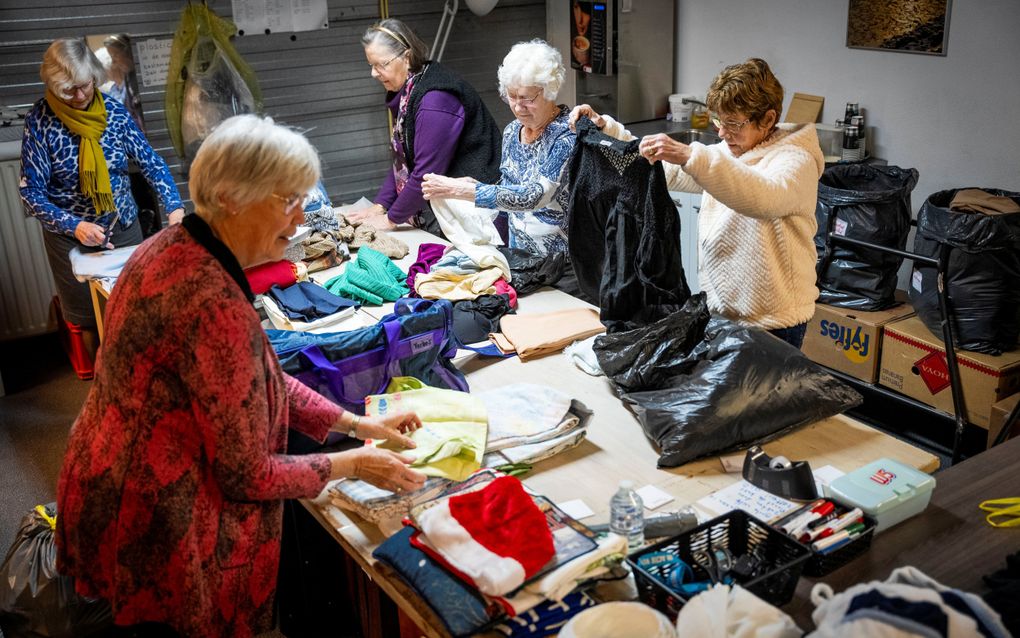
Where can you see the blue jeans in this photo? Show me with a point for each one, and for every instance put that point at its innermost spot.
(793, 335)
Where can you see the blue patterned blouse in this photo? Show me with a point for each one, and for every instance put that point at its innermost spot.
(532, 186)
(49, 169)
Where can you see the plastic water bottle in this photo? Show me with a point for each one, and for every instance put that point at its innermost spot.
(626, 515)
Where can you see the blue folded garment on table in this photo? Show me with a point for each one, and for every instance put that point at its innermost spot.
(307, 301)
(461, 608)
(547, 618)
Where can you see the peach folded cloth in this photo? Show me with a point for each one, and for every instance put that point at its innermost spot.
(538, 335)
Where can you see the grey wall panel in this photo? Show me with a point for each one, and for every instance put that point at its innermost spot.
(316, 81)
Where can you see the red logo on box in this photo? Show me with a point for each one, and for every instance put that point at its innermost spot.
(933, 371)
(883, 477)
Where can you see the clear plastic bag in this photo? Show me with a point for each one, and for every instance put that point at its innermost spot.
(213, 92)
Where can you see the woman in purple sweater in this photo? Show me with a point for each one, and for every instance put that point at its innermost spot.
(440, 125)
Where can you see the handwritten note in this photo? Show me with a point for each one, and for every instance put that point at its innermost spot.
(154, 61)
(744, 496)
(254, 17)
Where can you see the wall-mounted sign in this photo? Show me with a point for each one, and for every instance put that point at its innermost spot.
(154, 61)
(254, 17)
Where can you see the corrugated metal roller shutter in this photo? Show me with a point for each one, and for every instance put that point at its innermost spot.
(317, 81)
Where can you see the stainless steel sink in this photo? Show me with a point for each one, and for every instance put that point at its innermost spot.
(687, 136)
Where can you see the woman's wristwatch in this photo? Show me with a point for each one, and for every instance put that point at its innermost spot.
(353, 431)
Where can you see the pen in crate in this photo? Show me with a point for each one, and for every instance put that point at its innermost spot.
(824, 525)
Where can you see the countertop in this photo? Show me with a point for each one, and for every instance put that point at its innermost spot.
(651, 127)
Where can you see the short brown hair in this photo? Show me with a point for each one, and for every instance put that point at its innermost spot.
(398, 38)
(749, 88)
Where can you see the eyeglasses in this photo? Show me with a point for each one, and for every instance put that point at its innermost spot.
(71, 91)
(523, 101)
(732, 127)
(293, 202)
(381, 66)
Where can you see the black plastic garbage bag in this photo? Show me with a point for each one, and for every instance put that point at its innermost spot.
(529, 272)
(736, 387)
(982, 274)
(34, 599)
(869, 203)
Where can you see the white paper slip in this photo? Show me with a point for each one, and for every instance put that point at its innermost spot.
(653, 497)
(825, 475)
(744, 496)
(576, 509)
(733, 463)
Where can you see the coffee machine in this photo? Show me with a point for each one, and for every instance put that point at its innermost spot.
(623, 53)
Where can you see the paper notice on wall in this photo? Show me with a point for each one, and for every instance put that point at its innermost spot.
(254, 17)
(154, 61)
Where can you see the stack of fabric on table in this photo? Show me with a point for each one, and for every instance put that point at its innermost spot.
(485, 550)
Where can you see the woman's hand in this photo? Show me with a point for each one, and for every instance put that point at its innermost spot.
(175, 216)
(441, 187)
(379, 222)
(662, 148)
(391, 426)
(385, 469)
(363, 214)
(584, 110)
(90, 234)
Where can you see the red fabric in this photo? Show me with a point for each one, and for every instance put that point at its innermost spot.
(503, 288)
(274, 273)
(169, 498)
(503, 519)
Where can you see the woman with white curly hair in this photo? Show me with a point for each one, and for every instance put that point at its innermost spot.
(536, 146)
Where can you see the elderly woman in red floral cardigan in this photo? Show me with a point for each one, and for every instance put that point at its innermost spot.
(172, 487)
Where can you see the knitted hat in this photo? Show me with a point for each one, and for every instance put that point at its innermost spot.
(496, 537)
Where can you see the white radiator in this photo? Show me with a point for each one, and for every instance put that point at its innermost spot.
(26, 285)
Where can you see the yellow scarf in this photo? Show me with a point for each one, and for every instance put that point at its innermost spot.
(89, 124)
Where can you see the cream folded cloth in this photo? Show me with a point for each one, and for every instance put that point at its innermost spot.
(536, 335)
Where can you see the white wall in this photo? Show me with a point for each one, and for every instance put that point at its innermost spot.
(956, 119)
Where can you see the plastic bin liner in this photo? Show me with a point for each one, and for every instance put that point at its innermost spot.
(735, 387)
(34, 599)
(869, 203)
(982, 274)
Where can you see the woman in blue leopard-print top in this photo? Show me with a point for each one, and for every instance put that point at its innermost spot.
(74, 171)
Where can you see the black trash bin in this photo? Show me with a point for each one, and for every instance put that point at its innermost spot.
(868, 203)
(982, 272)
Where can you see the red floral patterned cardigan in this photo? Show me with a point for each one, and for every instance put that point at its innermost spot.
(170, 496)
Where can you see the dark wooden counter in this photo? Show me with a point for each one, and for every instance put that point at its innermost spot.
(950, 541)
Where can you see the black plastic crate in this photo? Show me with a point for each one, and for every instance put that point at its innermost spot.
(780, 557)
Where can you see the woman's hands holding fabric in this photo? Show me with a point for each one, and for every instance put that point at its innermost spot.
(175, 216)
(383, 468)
(379, 222)
(662, 148)
(390, 426)
(584, 110)
(441, 187)
(90, 234)
(364, 214)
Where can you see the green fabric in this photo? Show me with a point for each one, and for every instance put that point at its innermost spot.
(451, 441)
(198, 20)
(372, 278)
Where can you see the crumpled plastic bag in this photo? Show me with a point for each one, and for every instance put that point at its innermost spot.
(202, 48)
(35, 600)
(734, 386)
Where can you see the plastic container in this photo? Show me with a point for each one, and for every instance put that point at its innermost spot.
(780, 560)
(681, 112)
(886, 490)
(699, 117)
(627, 515)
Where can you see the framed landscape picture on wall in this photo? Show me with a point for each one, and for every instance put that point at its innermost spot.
(910, 26)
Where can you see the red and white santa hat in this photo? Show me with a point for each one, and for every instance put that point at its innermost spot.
(496, 537)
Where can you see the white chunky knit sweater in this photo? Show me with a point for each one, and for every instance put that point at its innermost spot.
(756, 225)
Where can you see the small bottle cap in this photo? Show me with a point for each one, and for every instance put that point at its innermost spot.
(626, 484)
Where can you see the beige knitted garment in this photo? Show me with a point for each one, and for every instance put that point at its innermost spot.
(756, 261)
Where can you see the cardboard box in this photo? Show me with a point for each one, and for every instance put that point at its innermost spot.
(1000, 411)
(914, 364)
(850, 340)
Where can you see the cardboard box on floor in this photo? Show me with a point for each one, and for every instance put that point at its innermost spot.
(1000, 411)
(913, 362)
(850, 340)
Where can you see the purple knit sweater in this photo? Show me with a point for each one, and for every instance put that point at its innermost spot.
(438, 124)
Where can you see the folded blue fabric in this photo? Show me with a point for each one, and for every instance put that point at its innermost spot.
(461, 608)
(545, 619)
(307, 301)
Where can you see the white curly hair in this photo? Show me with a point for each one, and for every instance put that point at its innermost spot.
(532, 63)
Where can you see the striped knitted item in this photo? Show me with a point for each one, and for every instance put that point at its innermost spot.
(371, 278)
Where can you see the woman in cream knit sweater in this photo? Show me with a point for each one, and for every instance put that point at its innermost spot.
(760, 184)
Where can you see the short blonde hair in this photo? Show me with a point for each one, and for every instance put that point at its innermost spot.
(68, 62)
(247, 158)
(749, 88)
(532, 63)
